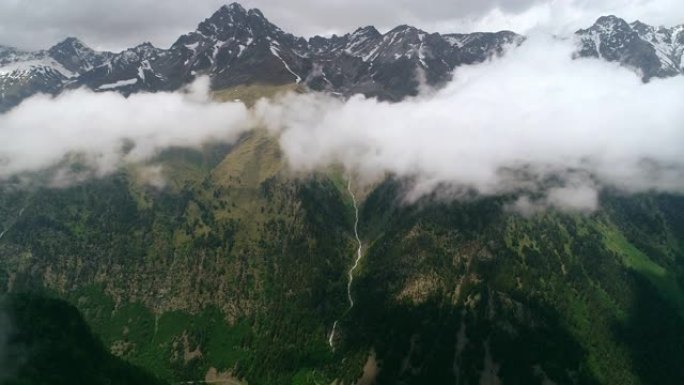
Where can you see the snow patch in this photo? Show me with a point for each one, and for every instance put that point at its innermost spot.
(41, 65)
(144, 66)
(118, 84)
(276, 53)
(192, 47)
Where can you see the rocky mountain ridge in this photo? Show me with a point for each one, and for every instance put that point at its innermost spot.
(653, 51)
(238, 46)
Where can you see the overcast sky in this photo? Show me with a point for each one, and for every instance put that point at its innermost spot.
(114, 25)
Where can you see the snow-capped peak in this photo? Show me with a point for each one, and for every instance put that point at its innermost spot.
(368, 32)
(610, 24)
(237, 46)
(652, 51)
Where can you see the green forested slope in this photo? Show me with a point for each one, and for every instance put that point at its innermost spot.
(237, 269)
(561, 297)
(48, 342)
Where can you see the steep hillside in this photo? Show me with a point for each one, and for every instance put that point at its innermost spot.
(465, 292)
(232, 265)
(237, 270)
(48, 342)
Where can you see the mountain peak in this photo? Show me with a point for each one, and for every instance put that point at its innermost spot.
(231, 8)
(231, 19)
(608, 25)
(145, 44)
(608, 19)
(233, 11)
(641, 27)
(611, 22)
(70, 49)
(73, 43)
(369, 31)
(227, 15)
(404, 28)
(75, 56)
(256, 12)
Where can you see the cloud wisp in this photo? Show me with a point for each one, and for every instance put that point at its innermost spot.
(535, 120)
(106, 130)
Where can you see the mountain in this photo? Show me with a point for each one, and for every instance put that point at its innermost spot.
(24, 73)
(76, 57)
(389, 66)
(653, 51)
(238, 46)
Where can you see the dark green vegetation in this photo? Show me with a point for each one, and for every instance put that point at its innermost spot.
(567, 298)
(236, 271)
(48, 342)
(232, 266)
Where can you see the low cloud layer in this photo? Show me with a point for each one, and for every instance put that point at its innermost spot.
(535, 120)
(105, 130)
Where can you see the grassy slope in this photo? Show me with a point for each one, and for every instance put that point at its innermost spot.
(663, 280)
(249, 94)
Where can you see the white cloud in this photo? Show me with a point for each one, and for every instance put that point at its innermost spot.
(563, 17)
(534, 120)
(106, 129)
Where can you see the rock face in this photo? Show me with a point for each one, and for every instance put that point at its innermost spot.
(391, 66)
(239, 46)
